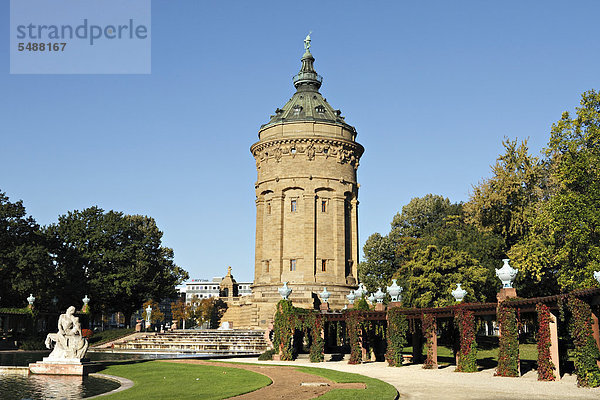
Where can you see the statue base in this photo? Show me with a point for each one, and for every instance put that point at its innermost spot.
(49, 366)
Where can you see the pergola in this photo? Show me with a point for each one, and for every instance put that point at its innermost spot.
(522, 306)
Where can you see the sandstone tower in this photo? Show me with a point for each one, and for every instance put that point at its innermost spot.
(306, 199)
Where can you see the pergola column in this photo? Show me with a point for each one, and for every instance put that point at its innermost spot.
(434, 346)
(554, 354)
(596, 332)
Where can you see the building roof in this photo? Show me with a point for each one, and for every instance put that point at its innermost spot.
(307, 104)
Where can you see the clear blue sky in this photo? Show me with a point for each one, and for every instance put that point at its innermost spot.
(432, 88)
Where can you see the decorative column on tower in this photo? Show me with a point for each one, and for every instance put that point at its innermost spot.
(306, 197)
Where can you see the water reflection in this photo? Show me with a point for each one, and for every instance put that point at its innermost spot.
(15, 387)
(24, 358)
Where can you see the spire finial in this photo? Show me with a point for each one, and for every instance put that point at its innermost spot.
(307, 42)
(307, 78)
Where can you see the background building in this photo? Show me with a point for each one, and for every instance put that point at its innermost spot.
(205, 289)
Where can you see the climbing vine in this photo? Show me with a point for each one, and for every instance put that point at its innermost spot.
(545, 365)
(428, 327)
(508, 354)
(283, 329)
(396, 337)
(313, 322)
(586, 351)
(288, 319)
(354, 319)
(467, 354)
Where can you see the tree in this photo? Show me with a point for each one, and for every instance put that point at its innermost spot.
(485, 247)
(379, 264)
(208, 311)
(433, 273)
(565, 240)
(503, 203)
(216, 313)
(118, 259)
(423, 215)
(179, 310)
(430, 220)
(25, 263)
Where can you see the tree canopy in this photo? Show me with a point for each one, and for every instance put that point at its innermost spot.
(433, 273)
(563, 247)
(25, 264)
(542, 212)
(117, 259)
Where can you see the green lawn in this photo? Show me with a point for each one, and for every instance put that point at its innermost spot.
(108, 335)
(376, 389)
(162, 380)
(487, 356)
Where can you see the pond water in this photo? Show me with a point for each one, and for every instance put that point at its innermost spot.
(42, 387)
(38, 387)
(24, 358)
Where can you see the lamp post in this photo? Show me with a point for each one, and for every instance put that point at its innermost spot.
(148, 314)
(86, 300)
(30, 300)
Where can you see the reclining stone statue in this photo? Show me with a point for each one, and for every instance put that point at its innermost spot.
(68, 343)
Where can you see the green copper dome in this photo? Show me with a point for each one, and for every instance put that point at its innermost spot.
(307, 104)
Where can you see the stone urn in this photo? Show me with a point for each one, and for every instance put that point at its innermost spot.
(351, 296)
(324, 295)
(371, 298)
(506, 274)
(459, 293)
(284, 291)
(597, 275)
(379, 295)
(361, 291)
(394, 291)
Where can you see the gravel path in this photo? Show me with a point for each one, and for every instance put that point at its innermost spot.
(414, 382)
(287, 382)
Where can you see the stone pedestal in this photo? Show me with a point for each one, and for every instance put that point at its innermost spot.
(506, 293)
(60, 367)
(324, 306)
(379, 307)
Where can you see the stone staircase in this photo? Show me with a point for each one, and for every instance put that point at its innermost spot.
(205, 341)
